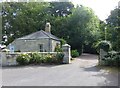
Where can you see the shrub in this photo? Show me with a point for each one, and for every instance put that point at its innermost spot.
(58, 48)
(59, 57)
(74, 53)
(105, 45)
(63, 41)
(112, 59)
(23, 59)
(36, 58)
(48, 58)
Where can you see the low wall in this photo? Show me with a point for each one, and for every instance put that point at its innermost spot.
(7, 59)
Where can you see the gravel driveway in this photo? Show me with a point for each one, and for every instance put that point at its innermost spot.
(83, 71)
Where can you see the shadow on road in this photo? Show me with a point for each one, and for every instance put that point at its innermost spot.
(110, 74)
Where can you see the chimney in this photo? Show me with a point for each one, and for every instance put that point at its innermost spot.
(48, 27)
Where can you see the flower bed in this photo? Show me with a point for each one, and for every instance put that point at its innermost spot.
(38, 58)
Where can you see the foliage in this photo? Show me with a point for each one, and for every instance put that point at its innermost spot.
(79, 26)
(74, 53)
(58, 48)
(59, 57)
(63, 41)
(83, 28)
(23, 59)
(36, 58)
(112, 59)
(30, 17)
(105, 45)
(48, 58)
(113, 21)
(61, 8)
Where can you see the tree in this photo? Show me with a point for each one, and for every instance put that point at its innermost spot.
(61, 8)
(83, 28)
(78, 26)
(20, 19)
(114, 28)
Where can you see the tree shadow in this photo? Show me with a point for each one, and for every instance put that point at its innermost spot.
(112, 77)
(92, 69)
(86, 56)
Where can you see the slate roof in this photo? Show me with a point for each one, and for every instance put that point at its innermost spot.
(38, 35)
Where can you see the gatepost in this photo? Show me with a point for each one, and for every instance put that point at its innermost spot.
(67, 53)
(102, 55)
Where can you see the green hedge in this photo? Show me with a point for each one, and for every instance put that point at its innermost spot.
(37, 58)
(74, 53)
(112, 59)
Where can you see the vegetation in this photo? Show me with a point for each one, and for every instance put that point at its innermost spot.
(58, 48)
(37, 58)
(112, 59)
(105, 45)
(78, 26)
(114, 28)
(74, 53)
(23, 59)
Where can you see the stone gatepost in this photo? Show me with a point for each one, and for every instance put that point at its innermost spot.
(67, 53)
(102, 54)
(3, 58)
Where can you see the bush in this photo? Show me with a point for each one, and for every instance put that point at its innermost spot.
(105, 45)
(23, 59)
(36, 58)
(112, 59)
(74, 53)
(48, 58)
(58, 48)
(63, 41)
(59, 57)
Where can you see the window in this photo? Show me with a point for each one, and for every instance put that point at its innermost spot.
(41, 47)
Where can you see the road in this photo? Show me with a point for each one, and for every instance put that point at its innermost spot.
(83, 71)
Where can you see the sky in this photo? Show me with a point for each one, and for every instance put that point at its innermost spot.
(102, 8)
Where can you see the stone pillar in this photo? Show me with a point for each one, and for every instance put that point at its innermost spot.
(3, 60)
(102, 54)
(67, 53)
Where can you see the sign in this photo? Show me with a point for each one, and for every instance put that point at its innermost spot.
(11, 49)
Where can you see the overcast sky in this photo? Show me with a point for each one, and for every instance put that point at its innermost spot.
(102, 8)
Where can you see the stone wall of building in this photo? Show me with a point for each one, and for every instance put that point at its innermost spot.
(33, 45)
(30, 45)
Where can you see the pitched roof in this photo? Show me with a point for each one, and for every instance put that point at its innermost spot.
(38, 35)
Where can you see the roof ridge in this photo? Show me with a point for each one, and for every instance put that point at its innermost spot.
(45, 33)
(28, 34)
(39, 34)
(49, 34)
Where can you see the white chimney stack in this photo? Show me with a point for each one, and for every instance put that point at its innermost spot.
(48, 27)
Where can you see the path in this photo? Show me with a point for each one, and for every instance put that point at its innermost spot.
(81, 72)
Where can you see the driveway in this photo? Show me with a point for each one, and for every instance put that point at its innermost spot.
(83, 71)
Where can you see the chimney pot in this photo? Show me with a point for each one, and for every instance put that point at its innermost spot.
(48, 27)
